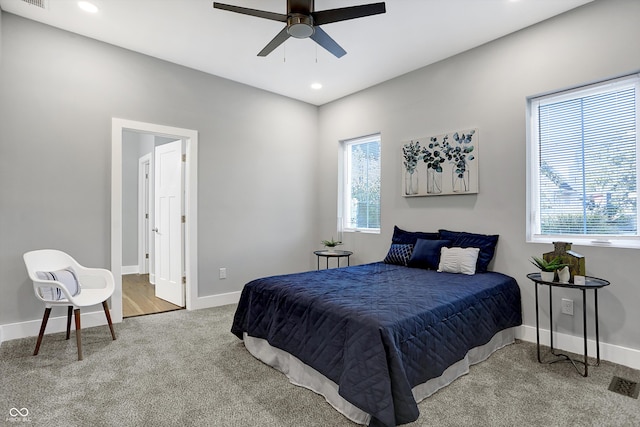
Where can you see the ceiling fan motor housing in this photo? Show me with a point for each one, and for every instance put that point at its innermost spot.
(300, 26)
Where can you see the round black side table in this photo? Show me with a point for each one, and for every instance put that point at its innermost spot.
(590, 283)
(332, 254)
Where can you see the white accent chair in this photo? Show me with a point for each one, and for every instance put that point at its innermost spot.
(95, 286)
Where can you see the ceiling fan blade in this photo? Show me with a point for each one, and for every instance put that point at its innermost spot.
(277, 41)
(322, 17)
(323, 39)
(253, 12)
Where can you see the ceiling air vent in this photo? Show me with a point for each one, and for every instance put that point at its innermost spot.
(42, 4)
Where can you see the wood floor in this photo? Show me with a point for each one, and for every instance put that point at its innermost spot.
(138, 297)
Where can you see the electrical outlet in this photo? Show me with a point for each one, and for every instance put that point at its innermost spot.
(567, 306)
(223, 273)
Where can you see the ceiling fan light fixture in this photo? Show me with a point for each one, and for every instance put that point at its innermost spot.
(300, 26)
(304, 22)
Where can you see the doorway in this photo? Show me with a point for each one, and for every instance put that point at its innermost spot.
(152, 207)
(119, 146)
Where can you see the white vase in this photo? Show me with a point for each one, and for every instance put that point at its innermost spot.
(547, 276)
(411, 183)
(564, 275)
(434, 181)
(460, 180)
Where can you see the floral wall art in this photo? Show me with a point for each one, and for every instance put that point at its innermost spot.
(442, 164)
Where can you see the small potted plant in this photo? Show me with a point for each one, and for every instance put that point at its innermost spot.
(331, 244)
(547, 268)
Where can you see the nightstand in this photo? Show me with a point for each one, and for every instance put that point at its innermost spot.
(332, 254)
(590, 283)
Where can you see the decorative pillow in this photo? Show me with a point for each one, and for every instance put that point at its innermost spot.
(398, 254)
(410, 237)
(486, 243)
(458, 260)
(65, 276)
(426, 253)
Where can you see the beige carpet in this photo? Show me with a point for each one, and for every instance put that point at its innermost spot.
(186, 368)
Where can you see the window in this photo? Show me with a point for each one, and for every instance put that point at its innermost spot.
(583, 147)
(360, 184)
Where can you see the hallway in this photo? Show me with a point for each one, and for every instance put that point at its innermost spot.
(138, 297)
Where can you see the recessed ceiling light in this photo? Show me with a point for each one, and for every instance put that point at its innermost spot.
(316, 86)
(87, 7)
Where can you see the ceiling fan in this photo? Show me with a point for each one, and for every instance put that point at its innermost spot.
(303, 21)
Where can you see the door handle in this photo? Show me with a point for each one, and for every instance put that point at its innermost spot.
(154, 229)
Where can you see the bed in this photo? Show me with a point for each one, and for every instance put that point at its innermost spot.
(375, 339)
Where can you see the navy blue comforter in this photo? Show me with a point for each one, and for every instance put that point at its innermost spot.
(378, 330)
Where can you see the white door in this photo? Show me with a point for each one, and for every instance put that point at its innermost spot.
(168, 222)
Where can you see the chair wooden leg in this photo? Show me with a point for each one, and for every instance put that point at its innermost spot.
(45, 319)
(76, 314)
(106, 312)
(69, 313)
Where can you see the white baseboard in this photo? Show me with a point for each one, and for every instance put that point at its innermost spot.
(215, 300)
(130, 269)
(58, 320)
(575, 344)
(55, 324)
(613, 353)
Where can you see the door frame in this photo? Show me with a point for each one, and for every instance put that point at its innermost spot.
(190, 205)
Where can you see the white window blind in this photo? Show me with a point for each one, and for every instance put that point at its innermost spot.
(361, 184)
(583, 160)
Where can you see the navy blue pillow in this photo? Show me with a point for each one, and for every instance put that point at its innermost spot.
(485, 242)
(426, 253)
(398, 254)
(410, 237)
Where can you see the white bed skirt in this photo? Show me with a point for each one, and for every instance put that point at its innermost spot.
(305, 376)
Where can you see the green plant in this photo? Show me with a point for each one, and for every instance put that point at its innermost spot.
(432, 154)
(411, 153)
(331, 243)
(460, 155)
(544, 265)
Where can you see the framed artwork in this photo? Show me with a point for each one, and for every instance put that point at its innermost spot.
(440, 165)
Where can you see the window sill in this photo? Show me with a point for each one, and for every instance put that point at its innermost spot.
(599, 242)
(364, 231)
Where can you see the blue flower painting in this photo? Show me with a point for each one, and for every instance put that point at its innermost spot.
(441, 165)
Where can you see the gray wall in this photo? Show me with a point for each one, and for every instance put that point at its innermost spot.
(134, 146)
(58, 94)
(486, 88)
(130, 155)
(262, 204)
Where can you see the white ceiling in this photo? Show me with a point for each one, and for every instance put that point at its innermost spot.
(410, 35)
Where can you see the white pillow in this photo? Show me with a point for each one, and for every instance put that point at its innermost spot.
(65, 276)
(458, 260)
